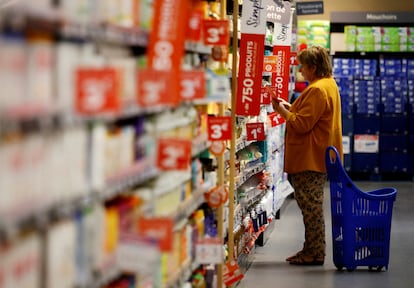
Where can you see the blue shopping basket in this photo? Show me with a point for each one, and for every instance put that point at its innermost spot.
(361, 221)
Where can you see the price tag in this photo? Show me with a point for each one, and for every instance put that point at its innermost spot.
(219, 128)
(255, 131)
(97, 90)
(157, 88)
(136, 254)
(194, 25)
(159, 229)
(209, 251)
(276, 119)
(174, 154)
(265, 96)
(216, 32)
(193, 85)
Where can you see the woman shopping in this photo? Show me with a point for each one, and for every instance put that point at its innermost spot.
(313, 122)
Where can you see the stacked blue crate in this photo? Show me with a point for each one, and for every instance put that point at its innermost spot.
(394, 124)
(410, 86)
(344, 71)
(367, 96)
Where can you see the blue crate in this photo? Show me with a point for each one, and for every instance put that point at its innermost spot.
(365, 162)
(394, 122)
(347, 124)
(361, 221)
(393, 162)
(367, 123)
(393, 143)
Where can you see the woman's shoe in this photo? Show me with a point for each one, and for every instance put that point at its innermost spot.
(290, 258)
(305, 260)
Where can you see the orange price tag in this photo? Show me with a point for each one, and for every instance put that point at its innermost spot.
(193, 85)
(219, 128)
(97, 90)
(255, 131)
(160, 229)
(216, 32)
(157, 88)
(174, 154)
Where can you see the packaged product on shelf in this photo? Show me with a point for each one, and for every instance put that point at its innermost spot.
(13, 65)
(60, 255)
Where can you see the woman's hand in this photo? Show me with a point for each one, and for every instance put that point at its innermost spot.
(280, 105)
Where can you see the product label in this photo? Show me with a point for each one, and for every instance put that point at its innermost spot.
(366, 143)
(97, 90)
(249, 82)
(219, 128)
(255, 131)
(193, 85)
(173, 154)
(281, 77)
(216, 32)
(209, 251)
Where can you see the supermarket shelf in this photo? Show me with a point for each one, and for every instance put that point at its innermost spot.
(247, 173)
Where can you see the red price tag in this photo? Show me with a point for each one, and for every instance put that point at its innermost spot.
(276, 119)
(194, 25)
(265, 96)
(97, 90)
(231, 273)
(157, 88)
(174, 154)
(255, 131)
(193, 85)
(219, 128)
(216, 32)
(160, 229)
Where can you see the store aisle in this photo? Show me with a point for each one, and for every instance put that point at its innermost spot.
(270, 269)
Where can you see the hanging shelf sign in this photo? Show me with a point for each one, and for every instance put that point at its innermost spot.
(249, 82)
(309, 8)
(219, 128)
(278, 11)
(255, 131)
(282, 40)
(193, 85)
(156, 88)
(174, 154)
(97, 90)
(216, 32)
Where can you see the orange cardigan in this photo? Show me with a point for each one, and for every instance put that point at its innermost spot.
(312, 124)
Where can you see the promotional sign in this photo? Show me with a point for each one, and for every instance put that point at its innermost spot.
(156, 88)
(217, 148)
(309, 8)
(216, 32)
(276, 119)
(265, 96)
(282, 75)
(255, 131)
(194, 25)
(166, 40)
(249, 82)
(173, 154)
(219, 128)
(97, 90)
(193, 85)
(282, 40)
(278, 11)
(231, 273)
(160, 229)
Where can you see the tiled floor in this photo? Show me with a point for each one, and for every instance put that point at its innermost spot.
(269, 268)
